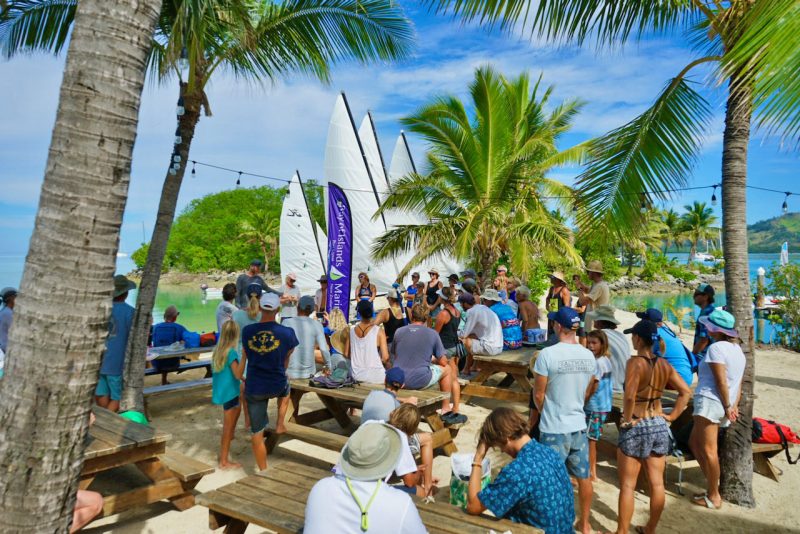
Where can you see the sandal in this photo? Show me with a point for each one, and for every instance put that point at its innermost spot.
(704, 501)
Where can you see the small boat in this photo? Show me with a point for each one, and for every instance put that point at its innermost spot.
(703, 256)
(210, 293)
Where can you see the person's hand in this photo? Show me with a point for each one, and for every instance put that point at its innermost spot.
(732, 413)
(92, 418)
(412, 400)
(325, 316)
(480, 452)
(326, 371)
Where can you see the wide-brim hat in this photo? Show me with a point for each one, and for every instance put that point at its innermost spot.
(595, 266)
(558, 275)
(720, 321)
(371, 453)
(602, 313)
(394, 293)
(339, 338)
(323, 278)
(122, 285)
(491, 294)
(433, 270)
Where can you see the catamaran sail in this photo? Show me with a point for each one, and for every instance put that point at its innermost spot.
(299, 247)
(785, 253)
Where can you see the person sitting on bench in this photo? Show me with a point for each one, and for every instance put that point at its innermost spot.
(165, 334)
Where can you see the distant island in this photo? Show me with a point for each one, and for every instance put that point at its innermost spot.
(768, 235)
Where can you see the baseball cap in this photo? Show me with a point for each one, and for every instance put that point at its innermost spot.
(453, 277)
(415, 274)
(257, 263)
(466, 298)
(323, 278)
(292, 276)
(306, 303)
(704, 289)
(396, 375)
(393, 293)
(566, 317)
(9, 292)
(644, 329)
(270, 301)
(255, 289)
(469, 273)
(502, 268)
(469, 284)
(651, 314)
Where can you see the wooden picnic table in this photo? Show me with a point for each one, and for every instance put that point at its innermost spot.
(335, 405)
(276, 499)
(514, 363)
(160, 353)
(115, 442)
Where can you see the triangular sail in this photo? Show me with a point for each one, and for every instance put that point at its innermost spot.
(299, 249)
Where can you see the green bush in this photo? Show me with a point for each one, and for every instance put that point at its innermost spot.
(654, 267)
(139, 255)
(785, 282)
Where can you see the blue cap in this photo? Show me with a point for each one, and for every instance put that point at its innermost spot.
(395, 375)
(651, 314)
(256, 289)
(566, 317)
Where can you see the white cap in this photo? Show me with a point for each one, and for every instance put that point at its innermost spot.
(270, 301)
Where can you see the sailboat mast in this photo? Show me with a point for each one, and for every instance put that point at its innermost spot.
(378, 144)
(311, 220)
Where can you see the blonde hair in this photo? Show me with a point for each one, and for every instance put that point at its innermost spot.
(228, 339)
(253, 306)
(419, 313)
(336, 319)
(603, 338)
(405, 418)
(501, 425)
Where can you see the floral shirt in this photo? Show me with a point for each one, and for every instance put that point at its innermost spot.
(512, 329)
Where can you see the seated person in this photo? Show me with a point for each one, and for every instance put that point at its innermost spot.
(482, 332)
(512, 332)
(165, 334)
(533, 489)
(356, 499)
(87, 503)
(379, 404)
(406, 418)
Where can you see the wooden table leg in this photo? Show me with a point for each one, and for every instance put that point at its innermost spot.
(483, 375)
(236, 526)
(763, 466)
(435, 421)
(85, 482)
(339, 413)
(155, 470)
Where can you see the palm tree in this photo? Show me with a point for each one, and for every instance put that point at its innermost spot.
(259, 228)
(483, 193)
(256, 40)
(754, 46)
(696, 224)
(53, 360)
(671, 229)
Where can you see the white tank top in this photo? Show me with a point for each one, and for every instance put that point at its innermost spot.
(365, 360)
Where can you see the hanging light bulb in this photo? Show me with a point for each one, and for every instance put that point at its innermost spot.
(181, 110)
(643, 207)
(714, 196)
(178, 138)
(172, 171)
(176, 157)
(183, 63)
(176, 166)
(785, 206)
(193, 171)
(239, 179)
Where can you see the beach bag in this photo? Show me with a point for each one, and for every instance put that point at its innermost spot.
(340, 377)
(535, 335)
(460, 469)
(191, 340)
(767, 431)
(208, 339)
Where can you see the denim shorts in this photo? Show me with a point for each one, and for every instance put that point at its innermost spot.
(109, 386)
(573, 449)
(233, 403)
(257, 409)
(710, 409)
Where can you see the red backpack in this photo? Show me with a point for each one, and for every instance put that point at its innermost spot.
(765, 431)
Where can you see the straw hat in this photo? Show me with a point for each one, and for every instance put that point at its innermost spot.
(558, 275)
(371, 453)
(595, 266)
(491, 294)
(339, 338)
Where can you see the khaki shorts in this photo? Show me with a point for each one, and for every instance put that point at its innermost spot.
(481, 347)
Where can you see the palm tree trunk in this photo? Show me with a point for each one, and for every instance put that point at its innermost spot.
(736, 457)
(132, 395)
(54, 358)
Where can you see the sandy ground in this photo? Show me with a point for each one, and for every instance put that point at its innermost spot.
(195, 425)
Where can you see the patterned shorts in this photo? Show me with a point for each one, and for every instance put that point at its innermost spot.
(594, 424)
(647, 437)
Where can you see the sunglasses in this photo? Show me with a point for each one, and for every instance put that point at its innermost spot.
(361, 276)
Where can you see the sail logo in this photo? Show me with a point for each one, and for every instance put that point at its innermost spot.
(293, 212)
(335, 274)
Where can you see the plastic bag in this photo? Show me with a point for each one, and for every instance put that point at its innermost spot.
(460, 469)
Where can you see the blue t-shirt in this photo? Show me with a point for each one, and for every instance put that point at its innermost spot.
(533, 489)
(165, 334)
(266, 346)
(379, 405)
(602, 398)
(676, 354)
(119, 327)
(411, 290)
(701, 332)
(512, 330)
(224, 385)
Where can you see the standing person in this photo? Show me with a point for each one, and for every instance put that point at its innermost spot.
(501, 281)
(431, 289)
(243, 318)
(267, 348)
(321, 296)
(562, 379)
(249, 277)
(599, 404)
(165, 334)
(452, 281)
(290, 296)
(310, 337)
(597, 295)
(227, 368)
(447, 323)
(481, 281)
(704, 299)
(528, 310)
(411, 294)
(356, 498)
(675, 353)
(365, 290)
(412, 349)
(557, 297)
(109, 386)
(392, 317)
(366, 347)
(482, 334)
(716, 399)
(533, 489)
(227, 307)
(512, 333)
(619, 346)
(644, 437)
(8, 297)
(470, 277)
(511, 286)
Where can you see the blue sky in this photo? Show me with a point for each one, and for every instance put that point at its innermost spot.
(275, 129)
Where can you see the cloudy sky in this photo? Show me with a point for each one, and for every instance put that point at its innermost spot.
(275, 129)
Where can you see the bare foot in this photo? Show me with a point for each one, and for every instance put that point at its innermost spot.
(229, 465)
(594, 477)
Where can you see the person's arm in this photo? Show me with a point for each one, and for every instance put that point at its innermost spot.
(539, 389)
(566, 298)
(322, 344)
(700, 345)
(523, 317)
(442, 319)
(474, 504)
(238, 365)
(347, 344)
(382, 347)
(535, 314)
(286, 359)
(373, 292)
(684, 394)
(630, 389)
(591, 389)
(469, 325)
(719, 372)
(409, 296)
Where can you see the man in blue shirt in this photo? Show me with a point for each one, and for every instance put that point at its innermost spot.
(268, 346)
(704, 299)
(512, 331)
(109, 386)
(165, 334)
(676, 354)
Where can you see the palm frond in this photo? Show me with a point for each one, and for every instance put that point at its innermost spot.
(35, 25)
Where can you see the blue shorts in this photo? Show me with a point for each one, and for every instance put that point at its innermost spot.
(573, 449)
(257, 409)
(233, 403)
(109, 386)
(405, 489)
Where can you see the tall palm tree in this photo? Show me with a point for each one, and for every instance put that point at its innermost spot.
(754, 46)
(671, 229)
(697, 224)
(259, 228)
(54, 359)
(256, 40)
(483, 193)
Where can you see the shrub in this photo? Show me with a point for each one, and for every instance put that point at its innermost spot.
(785, 282)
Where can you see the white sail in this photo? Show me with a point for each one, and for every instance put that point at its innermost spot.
(346, 166)
(372, 151)
(322, 242)
(299, 249)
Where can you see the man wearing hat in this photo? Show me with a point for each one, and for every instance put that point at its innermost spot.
(703, 299)
(8, 297)
(597, 295)
(268, 346)
(109, 386)
(618, 343)
(311, 338)
(563, 374)
(356, 498)
(321, 296)
(512, 331)
(482, 333)
(676, 354)
(251, 276)
(290, 296)
(165, 334)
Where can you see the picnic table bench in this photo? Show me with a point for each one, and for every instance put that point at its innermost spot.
(514, 363)
(275, 499)
(335, 405)
(194, 362)
(115, 441)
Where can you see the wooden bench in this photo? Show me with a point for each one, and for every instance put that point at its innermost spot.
(514, 363)
(192, 364)
(276, 499)
(177, 386)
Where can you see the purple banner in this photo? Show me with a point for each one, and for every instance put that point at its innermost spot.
(340, 250)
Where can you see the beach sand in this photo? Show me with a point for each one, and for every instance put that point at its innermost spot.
(195, 426)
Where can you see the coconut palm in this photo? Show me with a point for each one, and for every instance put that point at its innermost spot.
(484, 191)
(53, 360)
(754, 47)
(260, 228)
(696, 224)
(255, 40)
(671, 229)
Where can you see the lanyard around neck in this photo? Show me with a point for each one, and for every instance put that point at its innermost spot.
(364, 519)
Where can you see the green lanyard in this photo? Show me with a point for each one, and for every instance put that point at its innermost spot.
(364, 520)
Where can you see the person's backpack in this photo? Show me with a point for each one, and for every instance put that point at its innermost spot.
(766, 431)
(340, 377)
(208, 339)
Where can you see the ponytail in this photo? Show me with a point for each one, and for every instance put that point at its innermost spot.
(253, 307)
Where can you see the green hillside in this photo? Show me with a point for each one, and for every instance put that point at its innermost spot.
(768, 235)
